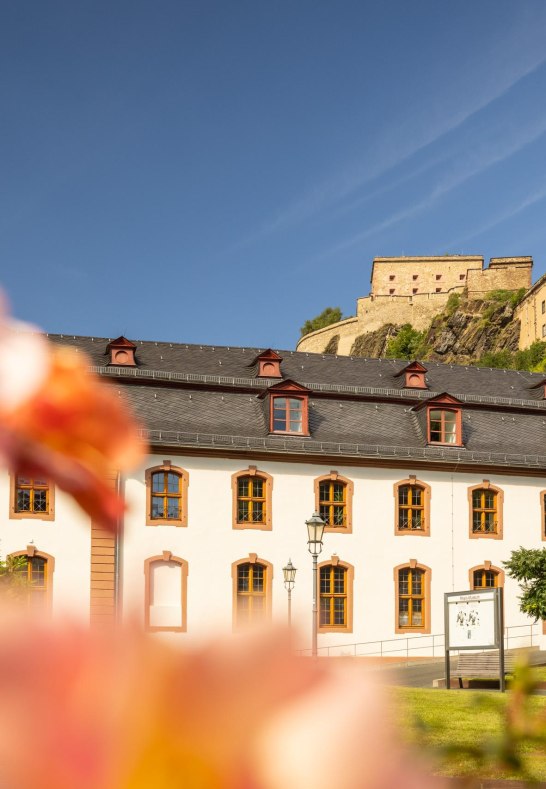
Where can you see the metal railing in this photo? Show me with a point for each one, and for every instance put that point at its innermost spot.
(264, 383)
(428, 646)
(309, 446)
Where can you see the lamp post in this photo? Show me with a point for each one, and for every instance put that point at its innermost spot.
(315, 529)
(289, 581)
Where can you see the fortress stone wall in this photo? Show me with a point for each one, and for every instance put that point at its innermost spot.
(415, 289)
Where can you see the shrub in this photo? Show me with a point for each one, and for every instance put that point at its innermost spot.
(326, 318)
(406, 344)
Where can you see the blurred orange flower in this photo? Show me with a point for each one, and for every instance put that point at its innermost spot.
(123, 711)
(58, 420)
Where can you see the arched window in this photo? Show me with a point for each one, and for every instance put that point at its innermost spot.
(166, 580)
(37, 573)
(412, 514)
(485, 503)
(166, 495)
(334, 500)
(486, 576)
(335, 594)
(412, 591)
(252, 581)
(32, 497)
(251, 490)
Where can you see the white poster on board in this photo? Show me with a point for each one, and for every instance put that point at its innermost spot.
(471, 619)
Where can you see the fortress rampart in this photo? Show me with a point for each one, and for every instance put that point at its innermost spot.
(415, 289)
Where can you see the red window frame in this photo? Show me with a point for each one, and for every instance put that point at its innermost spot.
(458, 426)
(303, 414)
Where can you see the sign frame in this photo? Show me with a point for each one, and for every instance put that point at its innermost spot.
(493, 594)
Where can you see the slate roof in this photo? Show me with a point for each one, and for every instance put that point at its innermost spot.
(188, 395)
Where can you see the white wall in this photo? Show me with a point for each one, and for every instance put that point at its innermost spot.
(210, 545)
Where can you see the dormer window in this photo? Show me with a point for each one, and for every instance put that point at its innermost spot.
(443, 420)
(269, 364)
(287, 415)
(414, 376)
(122, 352)
(288, 411)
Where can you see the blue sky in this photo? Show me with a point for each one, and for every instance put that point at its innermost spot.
(217, 172)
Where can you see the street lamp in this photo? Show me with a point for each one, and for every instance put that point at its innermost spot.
(315, 529)
(289, 581)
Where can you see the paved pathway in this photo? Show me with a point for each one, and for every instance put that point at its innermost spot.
(421, 675)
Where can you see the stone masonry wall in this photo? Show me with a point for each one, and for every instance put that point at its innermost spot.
(531, 313)
(415, 289)
(502, 274)
(409, 276)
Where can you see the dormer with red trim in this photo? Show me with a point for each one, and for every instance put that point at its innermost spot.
(288, 408)
(444, 420)
(122, 352)
(269, 364)
(414, 376)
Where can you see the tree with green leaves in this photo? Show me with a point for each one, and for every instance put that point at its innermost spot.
(528, 567)
(406, 344)
(326, 318)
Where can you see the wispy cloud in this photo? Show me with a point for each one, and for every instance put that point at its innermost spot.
(518, 208)
(522, 54)
(481, 158)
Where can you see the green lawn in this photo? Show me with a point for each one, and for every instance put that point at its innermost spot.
(440, 720)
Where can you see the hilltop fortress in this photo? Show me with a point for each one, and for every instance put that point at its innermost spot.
(415, 289)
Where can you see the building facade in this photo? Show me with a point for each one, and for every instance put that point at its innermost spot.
(415, 289)
(427, 480)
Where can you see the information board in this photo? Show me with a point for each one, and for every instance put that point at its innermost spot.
(472, 619)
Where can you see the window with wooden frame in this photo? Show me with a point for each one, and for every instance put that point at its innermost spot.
(412, 515)
(444, 421)
(543, 513)
(485, 503)
(289, 408)
(166, 495)
(335, 595)
(412, 592)
(31, 497)
(334, 501)
(251, 490)
(165, 595)
(485, 576)
(252, 583)
(36, 573)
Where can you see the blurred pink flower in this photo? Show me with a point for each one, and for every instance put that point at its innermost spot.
(58, 420)
(123, 711)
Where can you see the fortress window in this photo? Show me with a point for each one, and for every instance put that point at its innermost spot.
(544, 330)
(543, 307)
(391, 277)
(462, 276)
(438, 276)
(415, 276)
(438, 290)
(391, 292)
(414, 290)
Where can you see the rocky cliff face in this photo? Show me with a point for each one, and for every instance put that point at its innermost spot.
(461, 334)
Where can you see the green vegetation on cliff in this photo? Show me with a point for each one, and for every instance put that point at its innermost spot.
(326, 318)
(482, 332)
